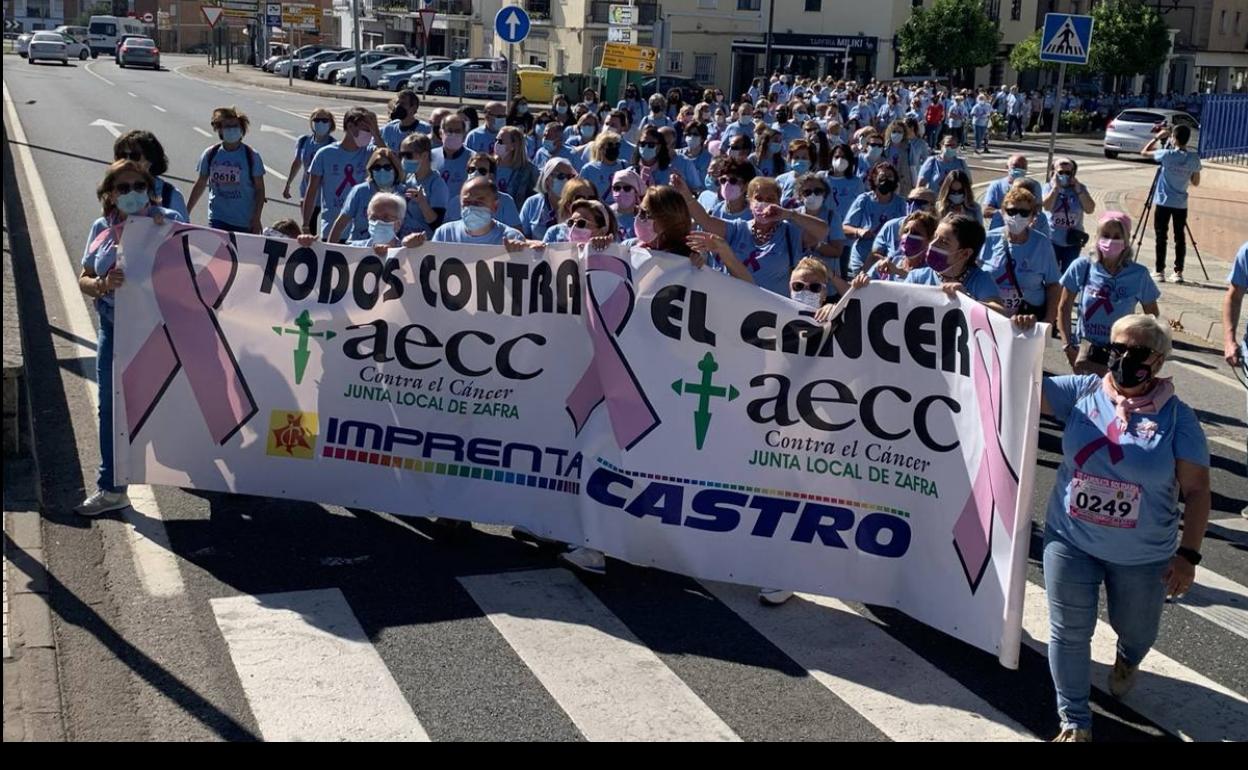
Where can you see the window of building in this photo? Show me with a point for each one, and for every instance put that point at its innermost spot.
(675, 61)
(1237, 15)
(1016, 10)
(916, 3)
(704, 67)
(814, 6)
(1222, 22)
(749, 5)
(709, 5)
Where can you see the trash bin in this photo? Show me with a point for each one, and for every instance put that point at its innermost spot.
(537, 86)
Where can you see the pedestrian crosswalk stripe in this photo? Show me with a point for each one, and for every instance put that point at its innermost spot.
(1181, 701)
(611, 686)
(909, 699)
(1219, 600)
(309, 672)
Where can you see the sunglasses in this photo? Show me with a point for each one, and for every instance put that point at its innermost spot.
(1018, 212)
(1121, 349)
(478, 172)
(729, 180)
(125, 187)
(135, 156)
(583, 223)
(799, 286)
(621, 188)
(808, 193)
(648, 145)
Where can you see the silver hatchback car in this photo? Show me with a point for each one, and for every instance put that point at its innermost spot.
(1133, 128)
(141, 51)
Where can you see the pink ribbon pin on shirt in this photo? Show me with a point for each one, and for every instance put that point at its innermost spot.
(189, 338)
(996, 482)
(609, 377)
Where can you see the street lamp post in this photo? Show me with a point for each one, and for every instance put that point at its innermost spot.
(771, 23)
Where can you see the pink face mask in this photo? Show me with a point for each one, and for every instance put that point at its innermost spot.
(362, 138)
(626, 200)
(913, 245)
(453, 142)
(1111, 247)
(644, 229)
(730, 192)
(580, 234)
(759, 210)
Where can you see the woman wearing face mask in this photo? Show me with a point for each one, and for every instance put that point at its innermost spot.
(1066, 200)
(869, 212)
(897, 152)
(680, 164)
(919, 150)
(605, 154)
(770, 243)
(981, 115)
(588, 221)
(1021, 261)
(1129, 449)
(657, 117)
(934, 170)
(915, 234)
(652, 160)
(695, 152)
(145, 149)
(426, 191)
(674, 103)
(385, 175)
(734, 177)
(626, 193)
(583, 133)
(540, 212)
(820, 147)
(323, 124)
(633, 104)
(515, 176)
(768, 157)
(874, 153)
(952, 263)
(484, 165)
(800, 165)
(843, 177)
(451, 161)
(553, 147)
(126, 191)
(1108, 284)
(385, 218)
(955, 119)
(520, 115)
(533, 138)
(813, 198)
(435, 124)
(955, 198)
(563, 112)
(718, 124)
(888, 241)
(233, 174)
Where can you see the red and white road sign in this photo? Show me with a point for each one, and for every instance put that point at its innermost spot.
(211, 14)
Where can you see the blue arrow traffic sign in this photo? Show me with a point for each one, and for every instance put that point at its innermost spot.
(512, 24)
(1066, 38)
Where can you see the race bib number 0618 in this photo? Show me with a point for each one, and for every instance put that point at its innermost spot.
(1105, 502)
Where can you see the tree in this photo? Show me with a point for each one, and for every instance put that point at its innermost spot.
(1128, 38)
(951, 35)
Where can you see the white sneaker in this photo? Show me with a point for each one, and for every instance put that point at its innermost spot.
(1159, 277)
(585, 560)
(103, 502)
(774, 597)
(1178, 277)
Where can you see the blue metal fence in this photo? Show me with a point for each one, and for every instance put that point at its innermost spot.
(1224, 128)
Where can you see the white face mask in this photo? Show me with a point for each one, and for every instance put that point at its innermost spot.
(813, 202)
(839, 165)
(1017, 224)
(808, 298)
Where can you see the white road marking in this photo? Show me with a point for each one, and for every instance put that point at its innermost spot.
(907, 700)
(275, 172)
(95, 74)
(154, 562)
(132, 93)
(158, 108)
(309, 672)
(612, 686)
(1237, 525)
(109, 126)
(1228, 443)
(202, 131)
(1179, 700)
(1211, 376)
(1219, 600)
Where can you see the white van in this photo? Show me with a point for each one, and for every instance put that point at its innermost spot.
(104, 33)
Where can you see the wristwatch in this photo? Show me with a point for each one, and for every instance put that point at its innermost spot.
(1191, 555)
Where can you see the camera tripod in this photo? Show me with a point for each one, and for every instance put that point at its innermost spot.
(1137, 237)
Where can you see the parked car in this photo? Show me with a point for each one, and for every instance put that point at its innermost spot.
(397, 81)
(372, 73)
(307, 67)
(140, 51)
(394, 49)
(1133, 128)
(48, 46)
(441, 83)
(328, 72)
(690, 90)
(23, 43)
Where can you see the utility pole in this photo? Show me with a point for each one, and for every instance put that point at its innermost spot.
(771, 22)
(355, 41)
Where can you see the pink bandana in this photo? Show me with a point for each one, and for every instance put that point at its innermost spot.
(1148, 403)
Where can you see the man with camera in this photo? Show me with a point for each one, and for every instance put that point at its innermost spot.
(1179, 168)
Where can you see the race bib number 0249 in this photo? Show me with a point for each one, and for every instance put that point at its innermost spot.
(1105, 502)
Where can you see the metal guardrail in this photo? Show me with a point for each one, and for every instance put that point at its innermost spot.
(1224, 129)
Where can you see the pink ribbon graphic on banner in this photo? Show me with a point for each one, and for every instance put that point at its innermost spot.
(1102, 303)
(348, 180)
(189, 337)
(609, 377)
(996, 482)
(1111, 440)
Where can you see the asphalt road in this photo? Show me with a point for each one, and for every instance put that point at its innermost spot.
(192, 654)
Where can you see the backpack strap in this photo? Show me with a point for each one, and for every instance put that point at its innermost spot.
(166, 195)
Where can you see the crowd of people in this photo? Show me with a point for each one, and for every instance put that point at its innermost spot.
(807, 190)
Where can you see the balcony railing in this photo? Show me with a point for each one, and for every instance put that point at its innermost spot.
(647, 12)
(538, 9)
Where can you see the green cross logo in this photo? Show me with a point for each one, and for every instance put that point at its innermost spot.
(705, 391)
(304, 331)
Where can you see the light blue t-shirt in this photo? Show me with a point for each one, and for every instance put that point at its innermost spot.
(339, 170)
(454, 172)
(1177, 167)
(567, 153)
(977, 283)
(1239, 277)
(438, 196)
(868, 212)
(1116, 493)
(934, 170)
(393, 133)
(481, 139)
(100, 252)
(356, 207)
(455, 232)
(231, 183)
(600, 175)
(306, 147)
(1067, 213)
(507, 212)
(1104, 298)
(536, 216)
(701, 164)
(176, 201)
(845, 190)
(625, 222)
(771, 262)
(888, 239)
(720, 209)
(1035, 266)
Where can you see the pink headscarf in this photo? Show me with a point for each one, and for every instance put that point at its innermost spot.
(1120, 217)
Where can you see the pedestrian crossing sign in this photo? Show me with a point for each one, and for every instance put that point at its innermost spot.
(1066, 39)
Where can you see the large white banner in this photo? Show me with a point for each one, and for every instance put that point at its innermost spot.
(668, 416)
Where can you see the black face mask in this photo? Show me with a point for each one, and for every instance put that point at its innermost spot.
(398, 113)
(1128, 367)
(887, 187)
(612, 154)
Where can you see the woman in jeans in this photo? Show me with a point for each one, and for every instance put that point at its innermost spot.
(127, 190)
(1129, 448)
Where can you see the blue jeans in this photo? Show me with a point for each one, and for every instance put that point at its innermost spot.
(933, 136)
(981, 137)
(1135, 596)
(104, 381)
